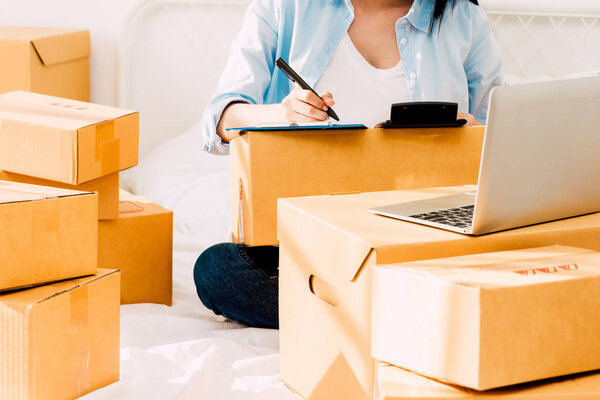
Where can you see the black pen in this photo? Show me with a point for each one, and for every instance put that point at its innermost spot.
(294, 77)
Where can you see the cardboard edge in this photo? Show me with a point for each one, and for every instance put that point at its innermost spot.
(102, 273)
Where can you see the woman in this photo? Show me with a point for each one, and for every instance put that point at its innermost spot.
(369, 54)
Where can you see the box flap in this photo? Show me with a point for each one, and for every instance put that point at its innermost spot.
(507, 268)
(62, 47)
(347, 252)
(13, 192)
(39, 294)
(55, 111)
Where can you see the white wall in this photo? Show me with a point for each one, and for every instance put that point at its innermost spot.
(102, 17)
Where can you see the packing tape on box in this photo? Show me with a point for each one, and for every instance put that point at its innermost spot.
(54, 110)
(107, 147)
(128, 207)
(80, 334)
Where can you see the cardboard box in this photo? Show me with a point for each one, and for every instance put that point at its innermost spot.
(65, 140)
(45, 60)
(107, 188)
(140, 244)
(490, 320)
(394, 383)
(46, 234)
(328, 248)
(266, 166)
(60, 341)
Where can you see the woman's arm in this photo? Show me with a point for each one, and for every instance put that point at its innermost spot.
(483, 65)
(299, 106)
(248, 70)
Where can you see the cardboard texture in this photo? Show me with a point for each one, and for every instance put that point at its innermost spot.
(394, 383)
(45, 60)
(46, 234)
(266, 166)
(140, 244)
(65, 140)
(60, 341)
(328, 248)
(490, 320)
(107, 188)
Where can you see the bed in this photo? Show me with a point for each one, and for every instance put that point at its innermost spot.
(170, 57)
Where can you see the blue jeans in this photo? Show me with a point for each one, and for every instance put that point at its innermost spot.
(240, 283)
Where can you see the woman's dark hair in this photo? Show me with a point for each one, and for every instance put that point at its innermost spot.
(440, 8)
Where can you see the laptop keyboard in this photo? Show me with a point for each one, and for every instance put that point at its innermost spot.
(460, 217)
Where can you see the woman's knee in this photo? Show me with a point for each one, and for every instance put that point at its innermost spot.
(210, 270)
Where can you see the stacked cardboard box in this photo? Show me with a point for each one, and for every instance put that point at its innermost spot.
(45, 60)
(140, 243)
(329, 248)
(59, 340)
(490, 320)
(69, 144)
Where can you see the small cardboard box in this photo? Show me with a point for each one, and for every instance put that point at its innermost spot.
(490, 320)
(328, 248)
(393, 383)
(65, 140)
(140, 244)
(266, 166)
(46, 234)
(60, 341)
(107, 188)
(45, 60)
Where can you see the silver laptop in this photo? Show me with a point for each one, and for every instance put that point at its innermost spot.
(540, 162)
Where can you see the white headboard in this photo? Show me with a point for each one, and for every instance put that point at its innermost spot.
(172, 51)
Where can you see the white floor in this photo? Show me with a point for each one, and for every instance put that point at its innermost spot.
(186, 352)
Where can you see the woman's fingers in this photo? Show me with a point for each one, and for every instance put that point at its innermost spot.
(308, 110)
(328, 99)
(309, 97)
(470, 119)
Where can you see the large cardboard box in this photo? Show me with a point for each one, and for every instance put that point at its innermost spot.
(46, 234)
(328, 248)
(65, 140)
(394, 383)
(45, 60)
(60, 341)
(490, 320)
(266, 166)
(107, 188)
(140, 244)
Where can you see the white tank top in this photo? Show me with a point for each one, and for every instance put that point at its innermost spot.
(362, 93)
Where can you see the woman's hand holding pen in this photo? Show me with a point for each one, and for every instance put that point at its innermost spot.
(305, 106)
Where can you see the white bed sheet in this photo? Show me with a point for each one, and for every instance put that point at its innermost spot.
(186, 352)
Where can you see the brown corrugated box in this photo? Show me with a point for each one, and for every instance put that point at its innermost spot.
(65, 140)
(328, 248)
(393, 383)
(140, 243)
(490, 320)
(46, 234)
(45, 60)
(266, 166)
(60, 341)
(107, 188)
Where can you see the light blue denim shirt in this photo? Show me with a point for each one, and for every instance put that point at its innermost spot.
(461, 63)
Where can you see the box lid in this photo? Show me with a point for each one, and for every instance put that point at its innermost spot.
(55, 111)
(14, 192)
(131, 205)
(52, 45)
(508, 268)
(42, 293)
(348, 220)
